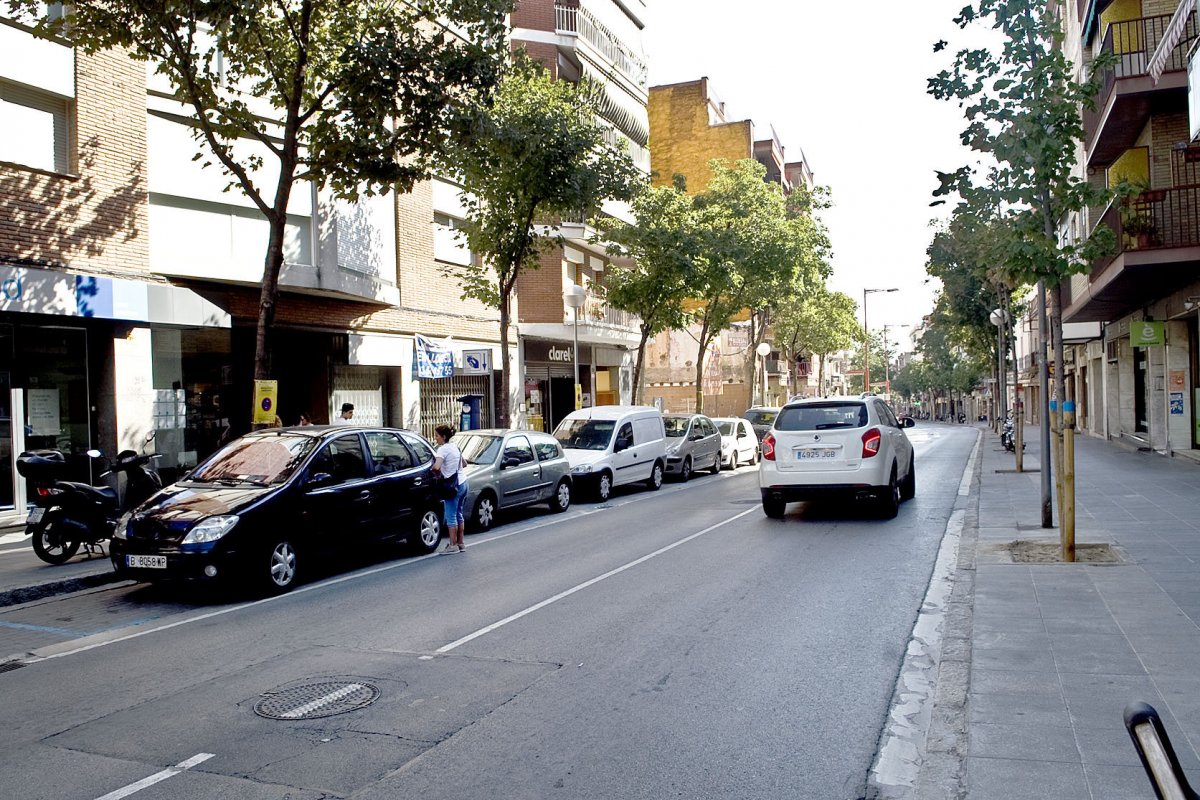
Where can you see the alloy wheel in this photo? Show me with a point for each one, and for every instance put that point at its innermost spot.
(283, 565)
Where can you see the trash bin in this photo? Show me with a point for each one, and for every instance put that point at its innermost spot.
(470, 420)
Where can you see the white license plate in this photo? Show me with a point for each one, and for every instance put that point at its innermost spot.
(146, 562)
(35, 516)
(816, 452)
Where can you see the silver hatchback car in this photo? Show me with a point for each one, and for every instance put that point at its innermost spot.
(693, 444)
(506, 469)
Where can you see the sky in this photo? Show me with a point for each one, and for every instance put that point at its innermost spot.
(844, 82)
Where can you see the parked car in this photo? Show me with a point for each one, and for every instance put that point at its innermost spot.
(761, 418)
(611, 446)
(739, 444)
(507, 469)
(693, 443)
(267, 505)
(844, 448)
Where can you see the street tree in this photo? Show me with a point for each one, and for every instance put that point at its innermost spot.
(662, 248)
(825, 323)
(362, 94)
(538, 155)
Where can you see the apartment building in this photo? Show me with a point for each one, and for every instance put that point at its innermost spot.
(600, 41)
(1131, 319)
(690, 126)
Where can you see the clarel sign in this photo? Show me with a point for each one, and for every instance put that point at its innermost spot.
(554, 352)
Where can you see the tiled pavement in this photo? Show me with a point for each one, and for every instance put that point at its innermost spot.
(1058, 650)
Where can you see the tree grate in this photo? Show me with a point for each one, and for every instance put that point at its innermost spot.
(315, 700)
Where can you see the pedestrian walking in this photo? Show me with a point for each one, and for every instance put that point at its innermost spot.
(347, 417)
(449, 462)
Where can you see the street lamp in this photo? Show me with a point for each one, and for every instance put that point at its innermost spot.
(763, 351)
(999, 318)
(574, 296)
(867, 339)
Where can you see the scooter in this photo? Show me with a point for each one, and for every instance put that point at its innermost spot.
(68, 515)
(1007, 437)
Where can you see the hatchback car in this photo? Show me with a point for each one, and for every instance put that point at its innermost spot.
(693, 443)
(266, 505)
(761, 418)
(739, 445)
(823, 448)
(506, 469)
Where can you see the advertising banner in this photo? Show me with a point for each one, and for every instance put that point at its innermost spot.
(266, 402)
(1147, 334)
(432, 360)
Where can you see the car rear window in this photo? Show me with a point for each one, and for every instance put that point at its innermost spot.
(822, 417)
(760, 417)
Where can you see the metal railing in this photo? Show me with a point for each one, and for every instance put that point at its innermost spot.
(1156, 219)
(1133, 43)
(596, 311)
(579, 21)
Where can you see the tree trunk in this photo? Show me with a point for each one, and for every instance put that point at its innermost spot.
(638, 371)
(704, 342)
(268, 297)
(820, 374)
(503, 410)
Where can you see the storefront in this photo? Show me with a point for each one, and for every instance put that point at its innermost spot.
(550, 381)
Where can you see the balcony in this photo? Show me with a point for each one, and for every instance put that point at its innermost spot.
(1158, 251)
(579, 22)
(1128, 94)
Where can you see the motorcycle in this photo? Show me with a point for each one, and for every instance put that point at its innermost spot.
(1008, 438)
(68, 515)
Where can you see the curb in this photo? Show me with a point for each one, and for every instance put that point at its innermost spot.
(41, 591)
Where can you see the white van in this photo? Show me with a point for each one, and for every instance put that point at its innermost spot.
(611, 446)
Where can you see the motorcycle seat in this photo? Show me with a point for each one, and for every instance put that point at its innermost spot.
(103, 494)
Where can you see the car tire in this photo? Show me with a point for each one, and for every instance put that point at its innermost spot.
(428, 533)
(685, 470)
(889, 501)
(483, 517)
(732, 463)
(604, 487)
(655, 481)
(754, 458)
(560, 501)
(775, 509)
(52, 546)
(908, 487)
(282, 567)
(716, 465)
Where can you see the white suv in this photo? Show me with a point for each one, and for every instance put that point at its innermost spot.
(848, 447)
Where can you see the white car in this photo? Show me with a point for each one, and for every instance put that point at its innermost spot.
(611, 446)
(841, 447)
(739, 444)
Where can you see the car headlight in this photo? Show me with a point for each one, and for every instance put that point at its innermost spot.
(672, 450)
(582, 469)
(210, 529)
(122, 528)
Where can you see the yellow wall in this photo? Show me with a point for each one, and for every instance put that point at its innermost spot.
(1132, 166)
(1128, 38)
(683, 142)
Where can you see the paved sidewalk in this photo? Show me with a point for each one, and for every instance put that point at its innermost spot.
(25, 577)
(1056, 651)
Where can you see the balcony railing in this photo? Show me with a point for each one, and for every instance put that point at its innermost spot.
(1154, 220)
(579, 21)
(1133, 43)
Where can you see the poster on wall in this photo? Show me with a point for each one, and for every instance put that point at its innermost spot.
(1177, 403)
(432, 360)
(43, 412)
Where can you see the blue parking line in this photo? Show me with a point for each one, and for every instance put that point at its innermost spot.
(25, 626)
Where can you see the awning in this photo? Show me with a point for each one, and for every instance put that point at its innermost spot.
(1171, 38)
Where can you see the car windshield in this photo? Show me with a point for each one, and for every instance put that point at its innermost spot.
(477, 449)
(585, 434)
(675, 426)
(761, 417)
(726, 428)
(822, 416)
(262, 460)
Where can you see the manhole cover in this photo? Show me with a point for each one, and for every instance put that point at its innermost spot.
(314, 700)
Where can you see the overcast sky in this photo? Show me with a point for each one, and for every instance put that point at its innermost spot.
(846, 83)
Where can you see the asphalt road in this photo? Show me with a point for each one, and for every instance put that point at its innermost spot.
(669, 644)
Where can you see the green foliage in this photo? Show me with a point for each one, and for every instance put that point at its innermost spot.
(822, 324)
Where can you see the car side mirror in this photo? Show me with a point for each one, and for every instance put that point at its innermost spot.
(741, 435)
(908, 422)
(319, 479)
(509, 463)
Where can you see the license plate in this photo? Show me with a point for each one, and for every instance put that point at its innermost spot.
(35, 516)
(146, 562)
(816, 452)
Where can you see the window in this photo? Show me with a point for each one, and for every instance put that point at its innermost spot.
(585, 434)
(676, 426)
(626, 435)
(342, 458)
(34, 129)
(518, 447)
(388, 453)
(449, 243)
(420, 449)
(547, 449)
(478, 449)
(823, 416)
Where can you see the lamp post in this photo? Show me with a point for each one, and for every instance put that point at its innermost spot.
(574, 297)
(867, 339)
(763, 351)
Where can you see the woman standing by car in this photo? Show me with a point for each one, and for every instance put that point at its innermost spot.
(448, 461)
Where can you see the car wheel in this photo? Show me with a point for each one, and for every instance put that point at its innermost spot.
(732, 463)
(561, 500)
(775, 509)
(889, 503)
(282, 567)
(685, 472)
(484, 515)
(754, 458)
(429, 532)
(604, 487)
(716, 465)
(655, 481)
(908, 488)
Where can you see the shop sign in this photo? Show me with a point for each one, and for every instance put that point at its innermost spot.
(553, 352)
(476, 362)
(266, 402)
(1146, 334)
(432, 360)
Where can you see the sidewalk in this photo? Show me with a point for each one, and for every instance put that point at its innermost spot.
(25, 577)
(1056, 651)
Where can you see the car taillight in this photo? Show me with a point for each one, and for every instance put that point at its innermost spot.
(768, 447)
(871, 440)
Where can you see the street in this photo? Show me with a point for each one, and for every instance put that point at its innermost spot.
(669, 644)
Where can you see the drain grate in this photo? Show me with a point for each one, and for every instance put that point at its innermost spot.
(9, 666)
(315, 700)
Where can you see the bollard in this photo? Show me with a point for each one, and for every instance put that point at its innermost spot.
(1056, 455)
(1158, 756)
(1067, 511)
(1019, 432)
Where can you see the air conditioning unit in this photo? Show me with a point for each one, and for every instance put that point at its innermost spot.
(1112, 349)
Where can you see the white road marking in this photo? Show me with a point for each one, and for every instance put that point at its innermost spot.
(313, 705)
(157, 777)
(483, 631)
